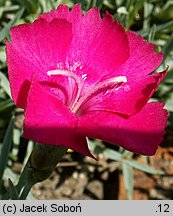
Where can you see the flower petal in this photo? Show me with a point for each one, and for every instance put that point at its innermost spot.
(129, 98)
(48, 121)
(142, 59)
(38, 48)
(63, 12)
(100, 45)
(141, 133)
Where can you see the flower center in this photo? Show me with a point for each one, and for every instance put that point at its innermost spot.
(76, 101)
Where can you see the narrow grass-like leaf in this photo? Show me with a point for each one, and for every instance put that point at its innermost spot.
(108, 4)
(44, 6)
(168, 47)
(30, 5)
(151, 34)
(8, 9)
(145, 158)
(6, 105)
(2, 55)
(28, 151)
(6, 145)
(8, 173)
(5, 30)
(169, 105)
(2, 2)
(148, 7)
(26, 189)
(91, 3)
(158, 28)
(133, 10)
(13, 192)
(31, 196)
(114, 155)
(4, 83)
(143, 167)
(99, 3)
(52, 4)
(127, 154)
(128, 180)
(109, 153)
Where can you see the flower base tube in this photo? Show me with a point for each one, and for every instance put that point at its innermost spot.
(43, 161)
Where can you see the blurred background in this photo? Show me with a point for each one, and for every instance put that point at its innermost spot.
(117, 174)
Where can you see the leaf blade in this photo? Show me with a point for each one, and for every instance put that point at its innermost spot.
(143, 167)
(128, 180)
(6, 145)
(5, 30)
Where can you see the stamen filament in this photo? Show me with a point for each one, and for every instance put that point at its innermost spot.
(116, 81)
(74, 77)
(75, 102)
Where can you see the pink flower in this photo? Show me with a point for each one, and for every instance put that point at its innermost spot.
(83, 76)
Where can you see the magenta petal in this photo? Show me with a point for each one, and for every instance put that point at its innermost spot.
(142, 60)
(141, 133)
(35, 48)
(80, 75)
(63, 12)
(48, 121)
(130, 97)
(100, 45)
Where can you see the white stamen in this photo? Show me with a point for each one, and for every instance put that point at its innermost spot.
(76, 101)
(71, 75)
(84, 76)
(115, 81)
(58, 72)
